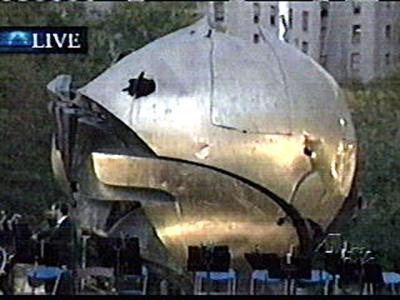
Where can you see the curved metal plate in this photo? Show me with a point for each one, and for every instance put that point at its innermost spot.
(210, 206)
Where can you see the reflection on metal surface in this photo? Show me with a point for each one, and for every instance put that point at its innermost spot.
(224, 230)
(282, 152)
(343, 166)
(262, 107)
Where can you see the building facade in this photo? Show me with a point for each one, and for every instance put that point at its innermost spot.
(243, 18)
(352, 40)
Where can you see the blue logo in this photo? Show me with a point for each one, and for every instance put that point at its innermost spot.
(19, 39)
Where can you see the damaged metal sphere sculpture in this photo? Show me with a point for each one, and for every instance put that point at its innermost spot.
(202, 137)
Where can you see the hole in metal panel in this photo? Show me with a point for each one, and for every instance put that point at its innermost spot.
(140, 87)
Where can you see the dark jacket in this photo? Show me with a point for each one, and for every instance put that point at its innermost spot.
(63, 243)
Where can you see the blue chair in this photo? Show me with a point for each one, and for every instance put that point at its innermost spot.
(261, 276)
(229, 278)
(42, 274)
(392, 279)
(318, 277)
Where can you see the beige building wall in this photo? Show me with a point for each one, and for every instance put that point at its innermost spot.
(353, 40)
(242, 18)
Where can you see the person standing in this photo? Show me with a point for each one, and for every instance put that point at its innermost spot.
(64, 241)
(64, 237)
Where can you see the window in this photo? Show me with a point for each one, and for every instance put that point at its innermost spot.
(387, 59)
(324, 13)
(256, 19)
(355, 61)
(304, 47)
(323, 60)
(324, 9)
(388, 32)
(290, 18)
(219, 11)
(356, 34)
(256, 38)
(323, 32)
(305, 16)
(257, 13)
(272, 19)
(356, 7)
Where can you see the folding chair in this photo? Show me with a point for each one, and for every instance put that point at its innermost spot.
(266, 269)
(229, 278)
(318, 277)
(391, 279)
(41, 274)
(262, 276)
(125, 284)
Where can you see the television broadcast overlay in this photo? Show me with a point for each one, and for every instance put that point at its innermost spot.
(200, 148)
(43, 40)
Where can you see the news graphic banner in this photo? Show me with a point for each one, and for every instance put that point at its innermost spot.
(42, 40)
